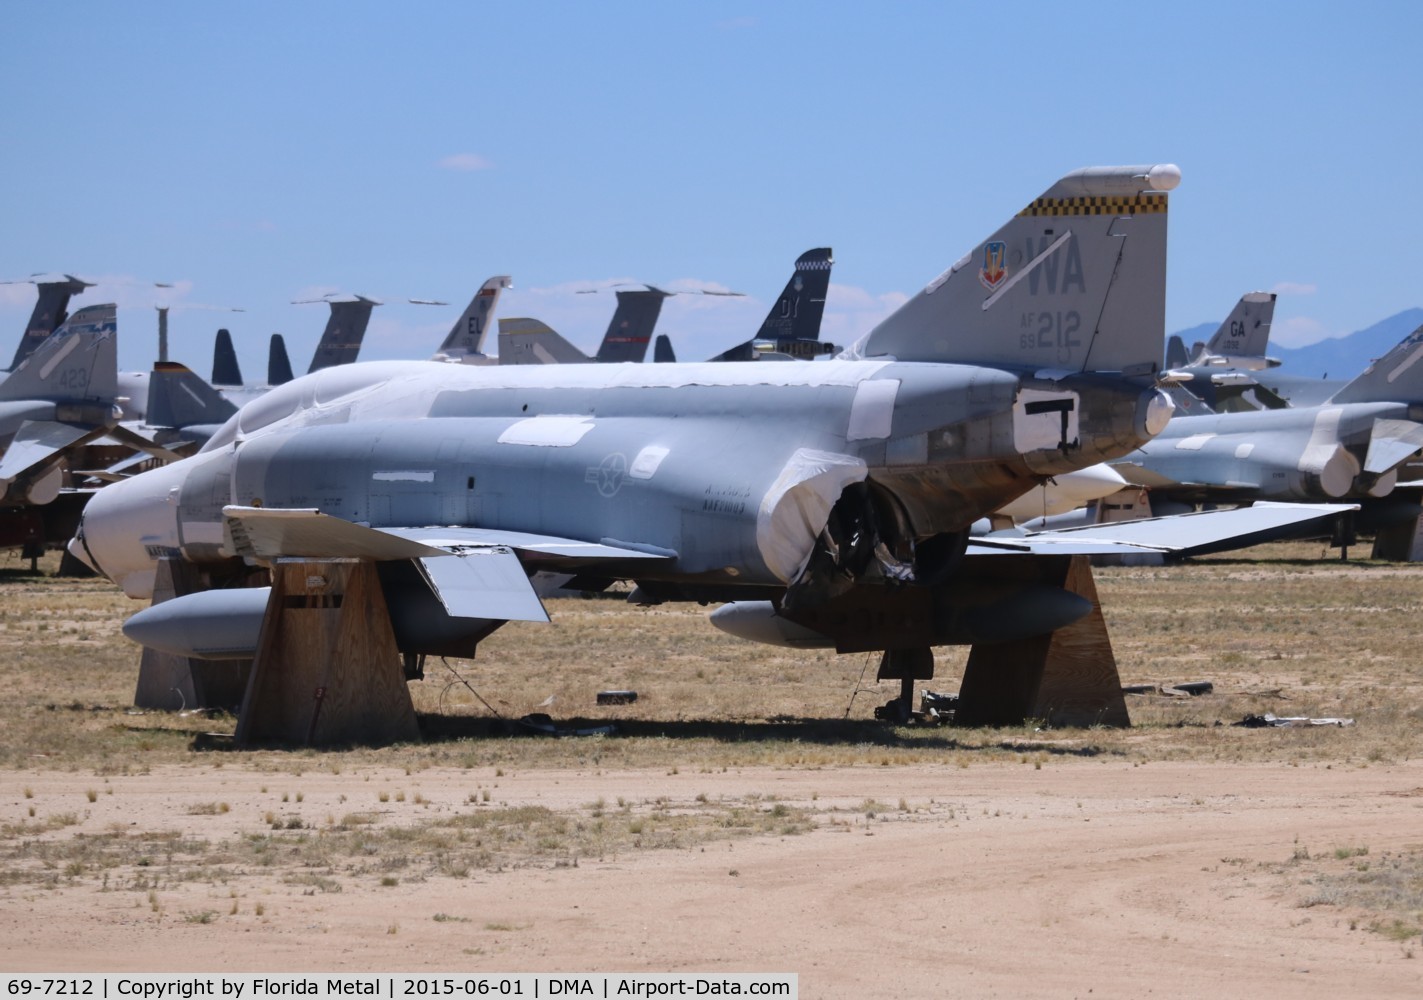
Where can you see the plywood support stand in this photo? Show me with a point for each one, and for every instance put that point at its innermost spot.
(168, 682)
(327, 669)
(1067, 678)
(1400, 542)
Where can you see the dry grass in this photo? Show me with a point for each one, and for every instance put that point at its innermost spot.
(1285, 628)
(383, 850)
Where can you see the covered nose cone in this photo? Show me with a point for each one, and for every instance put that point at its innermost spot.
(128, 525)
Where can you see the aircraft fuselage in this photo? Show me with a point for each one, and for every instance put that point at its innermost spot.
(732, 468)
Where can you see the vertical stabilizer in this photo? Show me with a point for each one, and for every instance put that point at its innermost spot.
(1245, 334)
(662, 352)
(524, 341)
(792, 327)
(466, 337)
(79, 361)
(178, 398)
(279, 366)
(345, 329)
(50, 311)
(1176, 352)
(224, 361)
(1076, 281)
(796, 315)
(630, 331)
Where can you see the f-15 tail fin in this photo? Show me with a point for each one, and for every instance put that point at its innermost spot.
(524, 341)
(224, 361)
(178, 398)
(1176, 352)
(792, 327)
(1243, 337)
(279, 366)
(345, 329)
(1076, 281)
(630, 330)
(49, 313)
(1397, 377)
(467, 336)
(79, 361)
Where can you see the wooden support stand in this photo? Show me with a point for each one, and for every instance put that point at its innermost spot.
(1400, 542)
(327, 669)
(168, 682)
(1068, 678)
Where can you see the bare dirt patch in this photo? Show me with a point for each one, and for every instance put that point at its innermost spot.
(739, 820)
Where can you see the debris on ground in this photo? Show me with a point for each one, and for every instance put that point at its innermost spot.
(1270, 720)
(1180, 689)
(616, 697)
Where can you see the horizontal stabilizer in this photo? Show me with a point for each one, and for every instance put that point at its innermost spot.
(126, 435)
(1390, 442)
(38, 442)
(1181, 535)
(487, 583)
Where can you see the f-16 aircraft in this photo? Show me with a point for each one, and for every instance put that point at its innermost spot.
(524, 341)
(1241, 340)
(792, 327)
(1034, 355)
(1348, 447)
(1221, 373)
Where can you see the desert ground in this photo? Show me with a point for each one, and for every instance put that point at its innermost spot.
(748, 813)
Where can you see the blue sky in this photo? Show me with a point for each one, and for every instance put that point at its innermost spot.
(256, 153)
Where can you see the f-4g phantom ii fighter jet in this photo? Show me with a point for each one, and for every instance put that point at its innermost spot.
(840, 493)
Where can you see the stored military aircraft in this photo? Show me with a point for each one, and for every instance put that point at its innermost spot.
(1034, 355)
(50, 312)
(1221, 371)
(465, 342)
(345, 329)
(524, 341)
(792, 328)
(1240, 341)
(1348, 447)
(58, 403)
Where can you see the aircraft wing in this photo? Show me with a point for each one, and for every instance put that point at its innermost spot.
(39, 441)
(475, 572)
(1180, 535)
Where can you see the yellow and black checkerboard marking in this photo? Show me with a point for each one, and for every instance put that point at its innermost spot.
(1140, 204)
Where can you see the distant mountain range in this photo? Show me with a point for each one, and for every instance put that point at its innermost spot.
(1338, 357)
